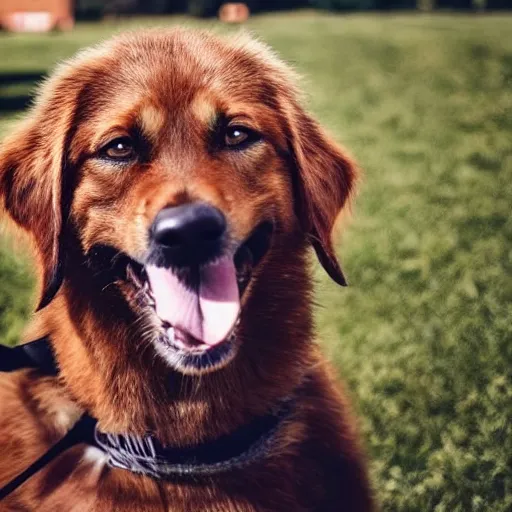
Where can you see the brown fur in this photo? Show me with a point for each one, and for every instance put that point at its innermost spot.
(169, 85)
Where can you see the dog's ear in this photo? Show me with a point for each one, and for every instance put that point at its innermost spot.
(32, 160)
(324, 182)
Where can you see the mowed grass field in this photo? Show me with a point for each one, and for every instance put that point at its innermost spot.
(423, 335)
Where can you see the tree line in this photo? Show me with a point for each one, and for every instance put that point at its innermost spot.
(208, 8)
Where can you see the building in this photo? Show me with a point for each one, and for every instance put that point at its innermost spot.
(36, 15)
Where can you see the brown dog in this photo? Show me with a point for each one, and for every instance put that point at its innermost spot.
(172, 184)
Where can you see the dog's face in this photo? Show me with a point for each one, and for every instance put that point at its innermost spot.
(175, 165)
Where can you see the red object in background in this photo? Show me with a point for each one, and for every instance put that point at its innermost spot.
(36, 15)
(234, 13)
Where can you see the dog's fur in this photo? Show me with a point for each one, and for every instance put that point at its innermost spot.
(168, 86)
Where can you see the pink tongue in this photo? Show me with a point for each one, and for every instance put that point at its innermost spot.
(207, 313)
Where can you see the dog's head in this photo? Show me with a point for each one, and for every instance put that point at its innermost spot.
(173, 170)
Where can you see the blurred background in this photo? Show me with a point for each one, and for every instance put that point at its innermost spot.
(423, 98)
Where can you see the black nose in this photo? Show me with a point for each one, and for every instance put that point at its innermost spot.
(189, 234)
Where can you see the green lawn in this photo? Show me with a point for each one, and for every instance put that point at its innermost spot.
(423, 335)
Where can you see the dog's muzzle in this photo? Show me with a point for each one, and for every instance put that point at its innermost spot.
(192, 275)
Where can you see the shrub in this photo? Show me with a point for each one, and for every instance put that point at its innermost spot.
(344, 5)
(89, 9)
(454, 4)
(499, 4)
(278, 5)
(204, 8)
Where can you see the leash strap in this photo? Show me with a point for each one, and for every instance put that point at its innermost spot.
(36, 354)
(145, 455)
(81, 432)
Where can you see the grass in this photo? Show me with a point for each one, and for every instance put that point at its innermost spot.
(423, 336)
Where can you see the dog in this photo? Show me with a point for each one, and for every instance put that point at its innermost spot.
(172, 186)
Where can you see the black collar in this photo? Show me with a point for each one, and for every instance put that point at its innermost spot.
(146, 455)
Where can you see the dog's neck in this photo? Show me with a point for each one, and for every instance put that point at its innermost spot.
(114, 373)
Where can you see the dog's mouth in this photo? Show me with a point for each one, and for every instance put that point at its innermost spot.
(198, 308)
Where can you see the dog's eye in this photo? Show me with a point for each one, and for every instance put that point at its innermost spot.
(120, 149)
(237, 136)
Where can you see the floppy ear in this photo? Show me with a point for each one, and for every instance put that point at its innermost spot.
(325, 179)
(31, 166)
